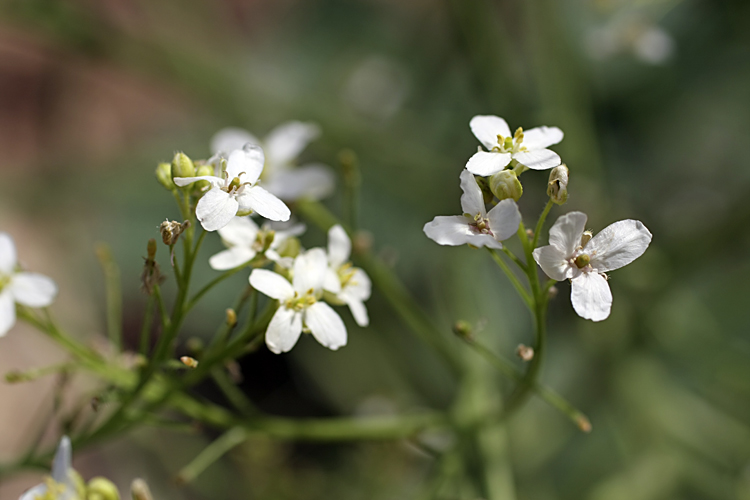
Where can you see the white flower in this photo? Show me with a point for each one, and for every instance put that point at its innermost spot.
(282, 146)
(62, 484)
(246, 240)
(349, 285)
(237, 191)
(573, 254)
(476, 226)
(29, 289)
(527, 148)
(300, 306)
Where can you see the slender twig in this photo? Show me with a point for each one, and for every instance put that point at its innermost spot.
(113, 294)
(513, 279)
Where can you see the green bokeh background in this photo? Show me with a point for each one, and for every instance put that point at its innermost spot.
(96, 93)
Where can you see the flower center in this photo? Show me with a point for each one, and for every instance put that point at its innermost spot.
(582, 261)
(54, 491)
(234, 187)
(346, 273)
(263, 240)
(300, 302)
(510, 144)
(480, 225)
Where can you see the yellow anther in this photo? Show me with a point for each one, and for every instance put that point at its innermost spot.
(518, 136)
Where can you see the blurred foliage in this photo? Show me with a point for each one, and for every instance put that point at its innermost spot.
(665, 380)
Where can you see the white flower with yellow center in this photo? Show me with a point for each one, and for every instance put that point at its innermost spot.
(61, 486)
(573, 254)
(300, 306)
(476, 226)
(529, 148)
(346, 284)
(28, 289)
(283, 145)
(246, 240)
(235, 190)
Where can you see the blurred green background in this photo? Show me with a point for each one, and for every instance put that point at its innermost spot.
(654, 100)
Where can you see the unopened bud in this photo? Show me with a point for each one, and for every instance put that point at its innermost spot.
(202, 171)
(164, 175)
(290, 248)
(151, 249)
(139, 490)
(195, 346)
(484, 185)
(505, 184)
(583, 423)
(171, 230)
(362, 242)
(525, 352)
(552, 292)
(189, 362)
(462, 328)
(182, 166)
(231, 317)
(100, 488)
(557, 188)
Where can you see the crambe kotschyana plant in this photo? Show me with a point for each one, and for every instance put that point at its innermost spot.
(250, 194)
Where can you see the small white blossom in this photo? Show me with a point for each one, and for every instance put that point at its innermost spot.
(245, 240)
(527, 148)
(236, 189)
(61, 486)
(28, 289)
(300, 307)
(573, 254)
(349, 285)
(282, 146)
(476, 226)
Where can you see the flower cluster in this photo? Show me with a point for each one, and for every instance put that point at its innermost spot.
(572, 253)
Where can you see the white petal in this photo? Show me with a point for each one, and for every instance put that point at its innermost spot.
(486, 128)
(228, 139)
(339, 246)
(541, 137)
(554, 263)
(504, 219)
(229, 259)
(618, 244)
(358, 287)
(35, 493)
(326, 326)
(454, 230)
(286, 142)
(7, 312)
(215, 209)
(565, 234)
(472, 201)
(289, 230)
(591, 296)
(315, 181)
(8, 256)
(32, 289)
(359, 311)
(186, 181)
(310, 269)
(332, 283)
(62, 463)
(248, 161)
(283, 330)
(540, 159)
(241, 231)
(264, 203)
(272, 284)
(485, 164)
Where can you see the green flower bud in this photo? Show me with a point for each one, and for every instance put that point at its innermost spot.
(557, 188)
(100, 488)
(505, 184)
(290, 248)
(164, 175)
(182, 166)
(484, 185)
(463, 329)
(139, 490)
(202, 171)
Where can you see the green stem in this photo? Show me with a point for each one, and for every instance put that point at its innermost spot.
(213, 452)
(148, 318)
(513, 279)
(236, 397)
(113, 294)
(540, 224)
(198, 295)
(163, 315)
(515, 259)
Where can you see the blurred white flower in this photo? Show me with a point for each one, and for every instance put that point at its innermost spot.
(300, 307)
(573, 254)
(631, 33)
(237, 191)
(377, 87)
(476, 226)
(527, 148)
(245, 240)
(28, 289)
(282, 146)
(61, 486)
(349, 285)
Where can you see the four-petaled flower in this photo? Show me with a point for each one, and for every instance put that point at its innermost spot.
(300, 305)
(61, 486)
(573, 254)
(237, 190)
(28, 289)
(348, 285)
(282, 146)
(525, 147)
(246, 240)
(476, 227)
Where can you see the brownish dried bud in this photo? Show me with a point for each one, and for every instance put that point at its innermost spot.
(189, 362)
(171, 231)
(525, 352)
